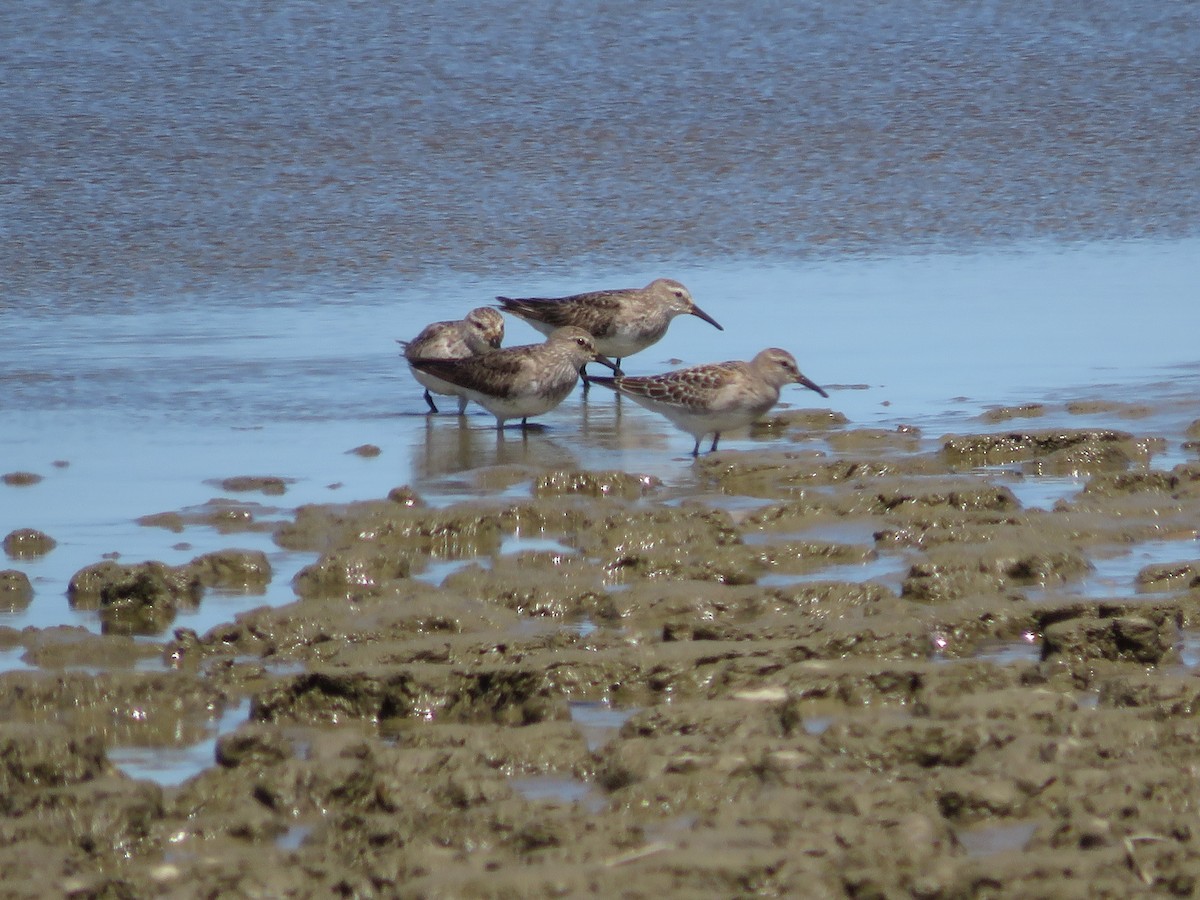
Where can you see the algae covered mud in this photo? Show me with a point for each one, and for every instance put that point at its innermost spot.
(857, 661)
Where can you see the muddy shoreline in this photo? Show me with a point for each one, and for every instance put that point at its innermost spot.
(870, 670)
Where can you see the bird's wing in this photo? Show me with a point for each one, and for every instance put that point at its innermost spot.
(492, 373)
(444, 334)
(592, 312)
(691, 388)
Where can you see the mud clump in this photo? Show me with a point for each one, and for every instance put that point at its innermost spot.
(266, 484)
(232, 570)
(1169, 576)
(144, 598)
(63, 647)
(16, 591)
(594, 484)
(33, 756)
(20, 479)
(951, 573)
(1052, 451)
(224, 515)
(801, 420)
(24, 543)
(1024, 411)
(137, 599)
(1182, 481)
(1126, 638)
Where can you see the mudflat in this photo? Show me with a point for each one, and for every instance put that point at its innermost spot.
(871, 669)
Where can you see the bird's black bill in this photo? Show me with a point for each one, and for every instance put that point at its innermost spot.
(811, 385)
(607, 363)
(701, 314)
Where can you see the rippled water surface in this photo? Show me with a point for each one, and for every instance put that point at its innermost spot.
(161, 152)
(216, 218)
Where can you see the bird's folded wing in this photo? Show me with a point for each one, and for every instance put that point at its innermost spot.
(591, 312)
(688, 388)
(492, 373)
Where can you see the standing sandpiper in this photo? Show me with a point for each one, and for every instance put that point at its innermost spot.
(519, 382)
(622, 321)
(716, 397)
(482, 330)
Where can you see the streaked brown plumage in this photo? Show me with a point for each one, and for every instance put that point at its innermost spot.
(716, 397)
(480, 331)
(622, 321)
(519, 382)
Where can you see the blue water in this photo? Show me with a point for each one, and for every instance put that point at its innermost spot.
(215, 220)
(164, 153)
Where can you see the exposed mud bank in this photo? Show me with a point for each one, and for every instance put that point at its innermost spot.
(878, 673)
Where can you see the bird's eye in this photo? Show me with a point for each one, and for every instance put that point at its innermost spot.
(679, 294)
(582, 342)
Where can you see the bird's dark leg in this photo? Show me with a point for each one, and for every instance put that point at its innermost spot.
(429, 400)
(696, 449)
(583, 377)
(524, 424)
(716, 437)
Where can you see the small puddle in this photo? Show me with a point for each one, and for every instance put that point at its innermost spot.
(830, 530)
(1045, 492)
(987, 840)
(582, 627)
(558, 789)
(293, 838)
(887, 569)
(13, 660)
(599, 721)
(151, 664)
(816, 724)
(171, 766)
(514, 544)
(1026, 648)
(737, 505)
(1116, 574)
(437, 570)
(1035, 491)
(1188, 648)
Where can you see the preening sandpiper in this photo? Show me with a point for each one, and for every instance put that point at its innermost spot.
(716, 397)
(480, 331)
(519, 382)
(622, 321)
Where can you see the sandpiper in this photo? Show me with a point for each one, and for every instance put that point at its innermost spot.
(622, 321)
(519, 382)
(482, 330)
(716, 397)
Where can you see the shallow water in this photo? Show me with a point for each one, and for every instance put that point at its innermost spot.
(173, 766)
(1115, 573)
(141, 436)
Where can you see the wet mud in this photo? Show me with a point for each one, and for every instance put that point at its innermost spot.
(868, 670)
